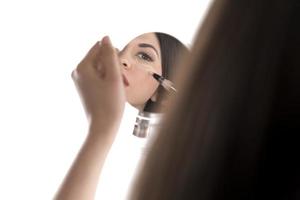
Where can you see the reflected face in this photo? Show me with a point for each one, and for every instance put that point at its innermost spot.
(138, 57)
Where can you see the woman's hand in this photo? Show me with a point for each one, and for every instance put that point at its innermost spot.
(99, 83)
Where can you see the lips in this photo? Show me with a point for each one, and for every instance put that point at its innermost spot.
(125, 81)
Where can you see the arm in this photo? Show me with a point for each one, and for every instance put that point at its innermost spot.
(98, 81)
(82, 179)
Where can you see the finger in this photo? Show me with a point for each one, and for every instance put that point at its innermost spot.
(108, 58)
(89, 57)
(92, 53)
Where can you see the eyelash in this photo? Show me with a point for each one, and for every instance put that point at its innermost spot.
(145, 56)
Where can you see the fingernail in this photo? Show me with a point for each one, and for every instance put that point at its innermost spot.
(105, 40)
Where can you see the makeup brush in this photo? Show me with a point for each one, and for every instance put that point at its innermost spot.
(168, 85)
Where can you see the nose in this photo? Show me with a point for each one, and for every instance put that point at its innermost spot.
(125, 63)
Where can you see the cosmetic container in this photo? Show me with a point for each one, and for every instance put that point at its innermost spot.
(147, 123)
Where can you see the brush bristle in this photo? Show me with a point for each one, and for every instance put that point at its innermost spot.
(158, 77)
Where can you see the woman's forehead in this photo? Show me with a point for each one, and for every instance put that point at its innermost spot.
(149, 38)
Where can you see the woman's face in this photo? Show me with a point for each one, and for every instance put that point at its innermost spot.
(138, 57)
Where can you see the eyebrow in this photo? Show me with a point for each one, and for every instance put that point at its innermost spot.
(145, 45)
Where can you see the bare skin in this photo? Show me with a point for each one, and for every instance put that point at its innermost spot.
(100, 85)
(141, 55)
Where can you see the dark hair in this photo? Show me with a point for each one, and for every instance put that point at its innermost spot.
(233, 133)
(172, 50)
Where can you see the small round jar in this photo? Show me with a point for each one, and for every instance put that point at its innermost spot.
(146, 123)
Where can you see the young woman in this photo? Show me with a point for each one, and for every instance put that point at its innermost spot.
(234, 132)
(150, 52)
(126, 74)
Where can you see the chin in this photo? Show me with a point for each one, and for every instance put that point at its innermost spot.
(139, 106)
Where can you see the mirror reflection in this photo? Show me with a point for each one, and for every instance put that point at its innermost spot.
(148, 64)
(146, 54)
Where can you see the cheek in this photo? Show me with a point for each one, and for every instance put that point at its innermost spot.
(142, 87)
(145, 84)
(139, 76)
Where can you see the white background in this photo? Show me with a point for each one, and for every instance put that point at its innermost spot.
(42, 123)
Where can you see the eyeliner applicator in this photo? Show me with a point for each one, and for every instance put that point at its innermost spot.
(168, 85)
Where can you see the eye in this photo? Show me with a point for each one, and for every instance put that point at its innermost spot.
(145, 56)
